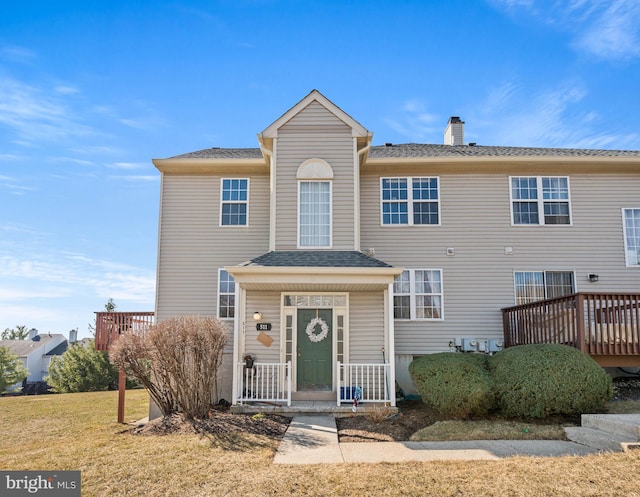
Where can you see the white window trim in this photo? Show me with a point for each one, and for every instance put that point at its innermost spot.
(624, 237)
(410, 201)
(515, 289)
(540, 201)
(412, 296)
(309, 247)
(219, 294)
(222, 202)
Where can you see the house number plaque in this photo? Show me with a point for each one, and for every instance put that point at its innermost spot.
(263, 326)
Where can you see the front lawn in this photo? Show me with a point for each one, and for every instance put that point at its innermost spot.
(79, 432)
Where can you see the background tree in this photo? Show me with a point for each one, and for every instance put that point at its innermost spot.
(110, 306)
(81, 369)
(17, 333)
(11, 369)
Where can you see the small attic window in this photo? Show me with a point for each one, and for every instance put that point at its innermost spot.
(314, 169)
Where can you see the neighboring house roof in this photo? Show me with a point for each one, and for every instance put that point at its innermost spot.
(23, 348)
(316, 258)
(428, 150)
(59, 349)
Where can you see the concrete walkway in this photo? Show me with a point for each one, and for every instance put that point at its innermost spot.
(314, 440)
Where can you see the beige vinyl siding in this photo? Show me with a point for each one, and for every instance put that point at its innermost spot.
(366, 327)
(193, 245)
(268, 303)
(478, 279)
(314, 133)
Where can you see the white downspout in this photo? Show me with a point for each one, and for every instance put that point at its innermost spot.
(356, 190)
(272, 191)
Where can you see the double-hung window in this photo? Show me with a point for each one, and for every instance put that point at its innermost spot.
(417, 294)
(532, 286)
(410, 201)
(314, 214)
(234, 199)
(226, 295)
(631, 228)
(540, 200)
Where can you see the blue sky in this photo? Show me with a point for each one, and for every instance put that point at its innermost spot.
(91, 91)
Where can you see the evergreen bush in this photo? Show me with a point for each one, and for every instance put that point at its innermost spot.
(454, 385)
(536, 381)
(81, 369)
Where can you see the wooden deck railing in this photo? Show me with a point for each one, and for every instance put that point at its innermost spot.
(603, 325)
(111, 325)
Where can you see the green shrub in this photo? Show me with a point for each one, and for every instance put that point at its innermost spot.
(454, 385)
(81, 369)
(536, 381)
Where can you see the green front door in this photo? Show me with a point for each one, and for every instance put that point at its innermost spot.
(315, 340)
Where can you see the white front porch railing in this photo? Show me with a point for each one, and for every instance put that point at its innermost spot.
(264, 382)
(364, 382)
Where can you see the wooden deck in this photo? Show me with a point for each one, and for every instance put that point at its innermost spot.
(604, 325)
(111, 325)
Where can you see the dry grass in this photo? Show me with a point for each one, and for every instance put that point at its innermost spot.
(624, 407)
(77, 431)
(488, 430)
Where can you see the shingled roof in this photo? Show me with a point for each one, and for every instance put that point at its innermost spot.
(416, 150)
(316, 258)
(222, 153)
(430, 150)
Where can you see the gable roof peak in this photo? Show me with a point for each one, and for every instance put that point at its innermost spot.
(315, 96)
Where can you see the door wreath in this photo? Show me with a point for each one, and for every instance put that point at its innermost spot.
(311, 328)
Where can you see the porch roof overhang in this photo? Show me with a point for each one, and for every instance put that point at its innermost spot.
(310, 278)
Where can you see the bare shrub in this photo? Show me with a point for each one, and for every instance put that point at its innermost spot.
(177, 361)
(378, 414)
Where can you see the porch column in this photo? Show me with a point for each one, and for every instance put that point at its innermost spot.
(238, 334)
(390, 341)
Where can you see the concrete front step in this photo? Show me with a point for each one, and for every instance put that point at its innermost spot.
(626, 425)
(320, 407)
(613, 432)
(596, 438)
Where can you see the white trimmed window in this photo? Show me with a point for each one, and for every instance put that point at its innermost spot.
(631, 220)
(314, 204)
(410, 201)
(234, 202)
(314, 214)
(540, 200)
(532, 286)
(417, 294)
(226, 295)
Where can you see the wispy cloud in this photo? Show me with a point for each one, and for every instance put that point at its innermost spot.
(35, 116)
(17, 54)
(14, 185)
(75, 273)
(601, 28)
(128, 165)
(615, 33)
(555, 117)
(134, 178)
(414, 121)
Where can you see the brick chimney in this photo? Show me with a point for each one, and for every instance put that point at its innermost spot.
(454, 134)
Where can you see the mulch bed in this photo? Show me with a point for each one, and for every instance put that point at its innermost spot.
(412, 415)
(219, 421)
